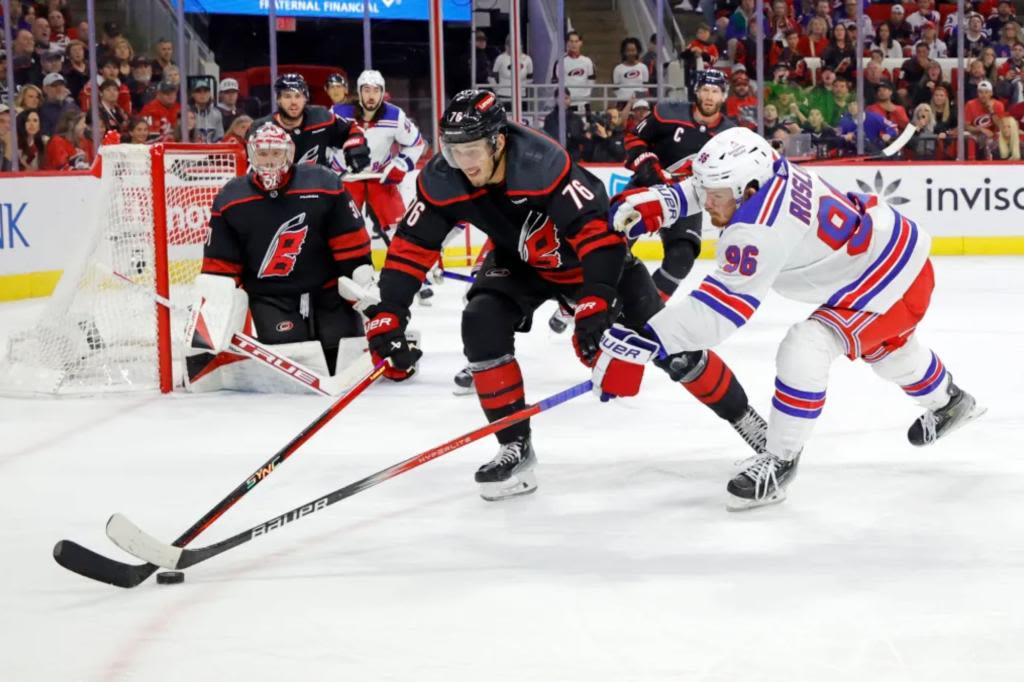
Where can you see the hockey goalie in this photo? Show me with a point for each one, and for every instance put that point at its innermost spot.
(285, 242)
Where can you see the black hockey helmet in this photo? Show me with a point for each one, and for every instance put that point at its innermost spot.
(291, 81)
(711, 77)
(472, 115)
(335, 79)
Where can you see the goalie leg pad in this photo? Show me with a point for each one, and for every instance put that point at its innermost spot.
(219, 311)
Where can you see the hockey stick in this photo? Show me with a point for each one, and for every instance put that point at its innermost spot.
(360, 177)
(88, 563)
(245, 345)
(134, 540)
(457, 276)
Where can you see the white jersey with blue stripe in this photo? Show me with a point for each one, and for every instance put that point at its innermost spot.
(391, 136)
(806, 240)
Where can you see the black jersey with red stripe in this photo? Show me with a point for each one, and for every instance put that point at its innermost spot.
(319, 131)
(298, 238)
(672, 134)
(549, 212)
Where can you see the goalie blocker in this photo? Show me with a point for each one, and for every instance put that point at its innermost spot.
(280, 239)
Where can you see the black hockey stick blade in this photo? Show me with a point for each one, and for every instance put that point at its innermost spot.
(89, 564)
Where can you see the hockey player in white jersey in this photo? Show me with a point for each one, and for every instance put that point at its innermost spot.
(784, 228)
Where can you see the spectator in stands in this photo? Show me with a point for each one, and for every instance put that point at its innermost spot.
(630, 74)
(76, 68)
(848, 14)
(841, 55)
(71, 147)
(209, 122)
(781, 20)
(230, 108)
(29, 97)
(924, 15)
(822, 97)
(702, 48)
(138, 131)
(890, 47)
(190, 124)
(746, 53)
(238, 131)
(164, 58)
(877, 57)
(501, 73)
(975, 75)
(842, 94)
(6, 145)
(921, 91)
(1009, 36)
(125, 54)
(878, 132)
(58, 29)
(944, 110)
(988, 60)
(51, 61)
(112, 116)
(57, 102)
(636, 112)
(26, 61)
(575, 128)
(741, 104)
(974, 37)
(162, 111)
(738, 27)
(31, 142)
(773, 124)
(1008, 144)
(930, 37)
(819, 8)
(41, 34)
(605, 138)
(816, 41)
(1003, 16)
(111, 31)
(650, 58)
(579, 70)
(109, 71)
(872, 79)
(885, 106)
(823, 136)
(171, 75)
(981, 119)
(1011, 75)
(787, 51)
(780, 85)
(81, 32)
(140, 83)
(898, 26)
(914, 68)
(484, 59)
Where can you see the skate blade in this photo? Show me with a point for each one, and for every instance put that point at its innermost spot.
(738, 504)
(522, 483)
(463, 390)
(977, 412)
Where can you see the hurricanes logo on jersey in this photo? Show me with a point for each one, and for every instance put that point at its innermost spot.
(284, 248)
(309, 156)
(538, 242)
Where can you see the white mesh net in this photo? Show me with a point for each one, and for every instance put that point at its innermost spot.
(98, 332)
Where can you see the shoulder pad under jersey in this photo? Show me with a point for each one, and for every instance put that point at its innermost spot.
(536, 163)
(314, 177)
(345, 111)
(390, 112)
(235, 189)
(317, 117)
(441, 185)
(673, 112)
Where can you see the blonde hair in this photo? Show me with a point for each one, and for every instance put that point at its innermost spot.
(924, 107)
(19, 101)
(1009, 149)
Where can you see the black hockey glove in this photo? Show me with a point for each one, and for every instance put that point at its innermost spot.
(596, 310)
(648, 171)
(385, 334)
(356, 151)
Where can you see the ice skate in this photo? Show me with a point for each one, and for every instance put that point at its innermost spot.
(510, 473)
(559, 320)
(934, 424)
(464, 382)
(763, 482)
(753, 429)
(424, 296)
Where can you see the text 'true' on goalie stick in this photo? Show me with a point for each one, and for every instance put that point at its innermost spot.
(83, 561)
(247, 346)
(134, 540)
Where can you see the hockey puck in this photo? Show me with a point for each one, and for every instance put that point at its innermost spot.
(170, 577)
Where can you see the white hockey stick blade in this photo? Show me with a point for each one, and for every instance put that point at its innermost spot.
(900, 142)
(357, 177)
(138, 542)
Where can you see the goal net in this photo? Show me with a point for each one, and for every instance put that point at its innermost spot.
(102, 329)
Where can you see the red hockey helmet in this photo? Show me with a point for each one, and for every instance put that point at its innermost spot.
(271, 155)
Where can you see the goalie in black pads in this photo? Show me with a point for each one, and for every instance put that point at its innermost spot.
(548, 221)
(280, 239)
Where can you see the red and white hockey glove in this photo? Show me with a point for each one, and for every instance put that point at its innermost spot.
(386, 337)
(356, 151)
(396, 171)
(595, 312)
(619, 369)
(647, 170)
(645, 210)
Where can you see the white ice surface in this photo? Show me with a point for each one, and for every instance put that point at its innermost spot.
(886, 563)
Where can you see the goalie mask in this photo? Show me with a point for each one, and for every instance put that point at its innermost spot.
(271, 155)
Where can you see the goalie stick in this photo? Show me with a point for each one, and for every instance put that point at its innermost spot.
(134, 540)
(88, 563)
(245, 345)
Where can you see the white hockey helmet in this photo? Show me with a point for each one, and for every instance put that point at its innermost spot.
(734, 158)
(370, 77)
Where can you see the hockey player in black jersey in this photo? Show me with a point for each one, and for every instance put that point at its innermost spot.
(660, 148)
(314, 129)
(547, 219)
(280, 238)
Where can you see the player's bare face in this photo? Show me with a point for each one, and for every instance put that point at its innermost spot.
(337, 93)
(370, 96)
(709, 100)
(475, 159)
(720, 205)
(291, 103)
